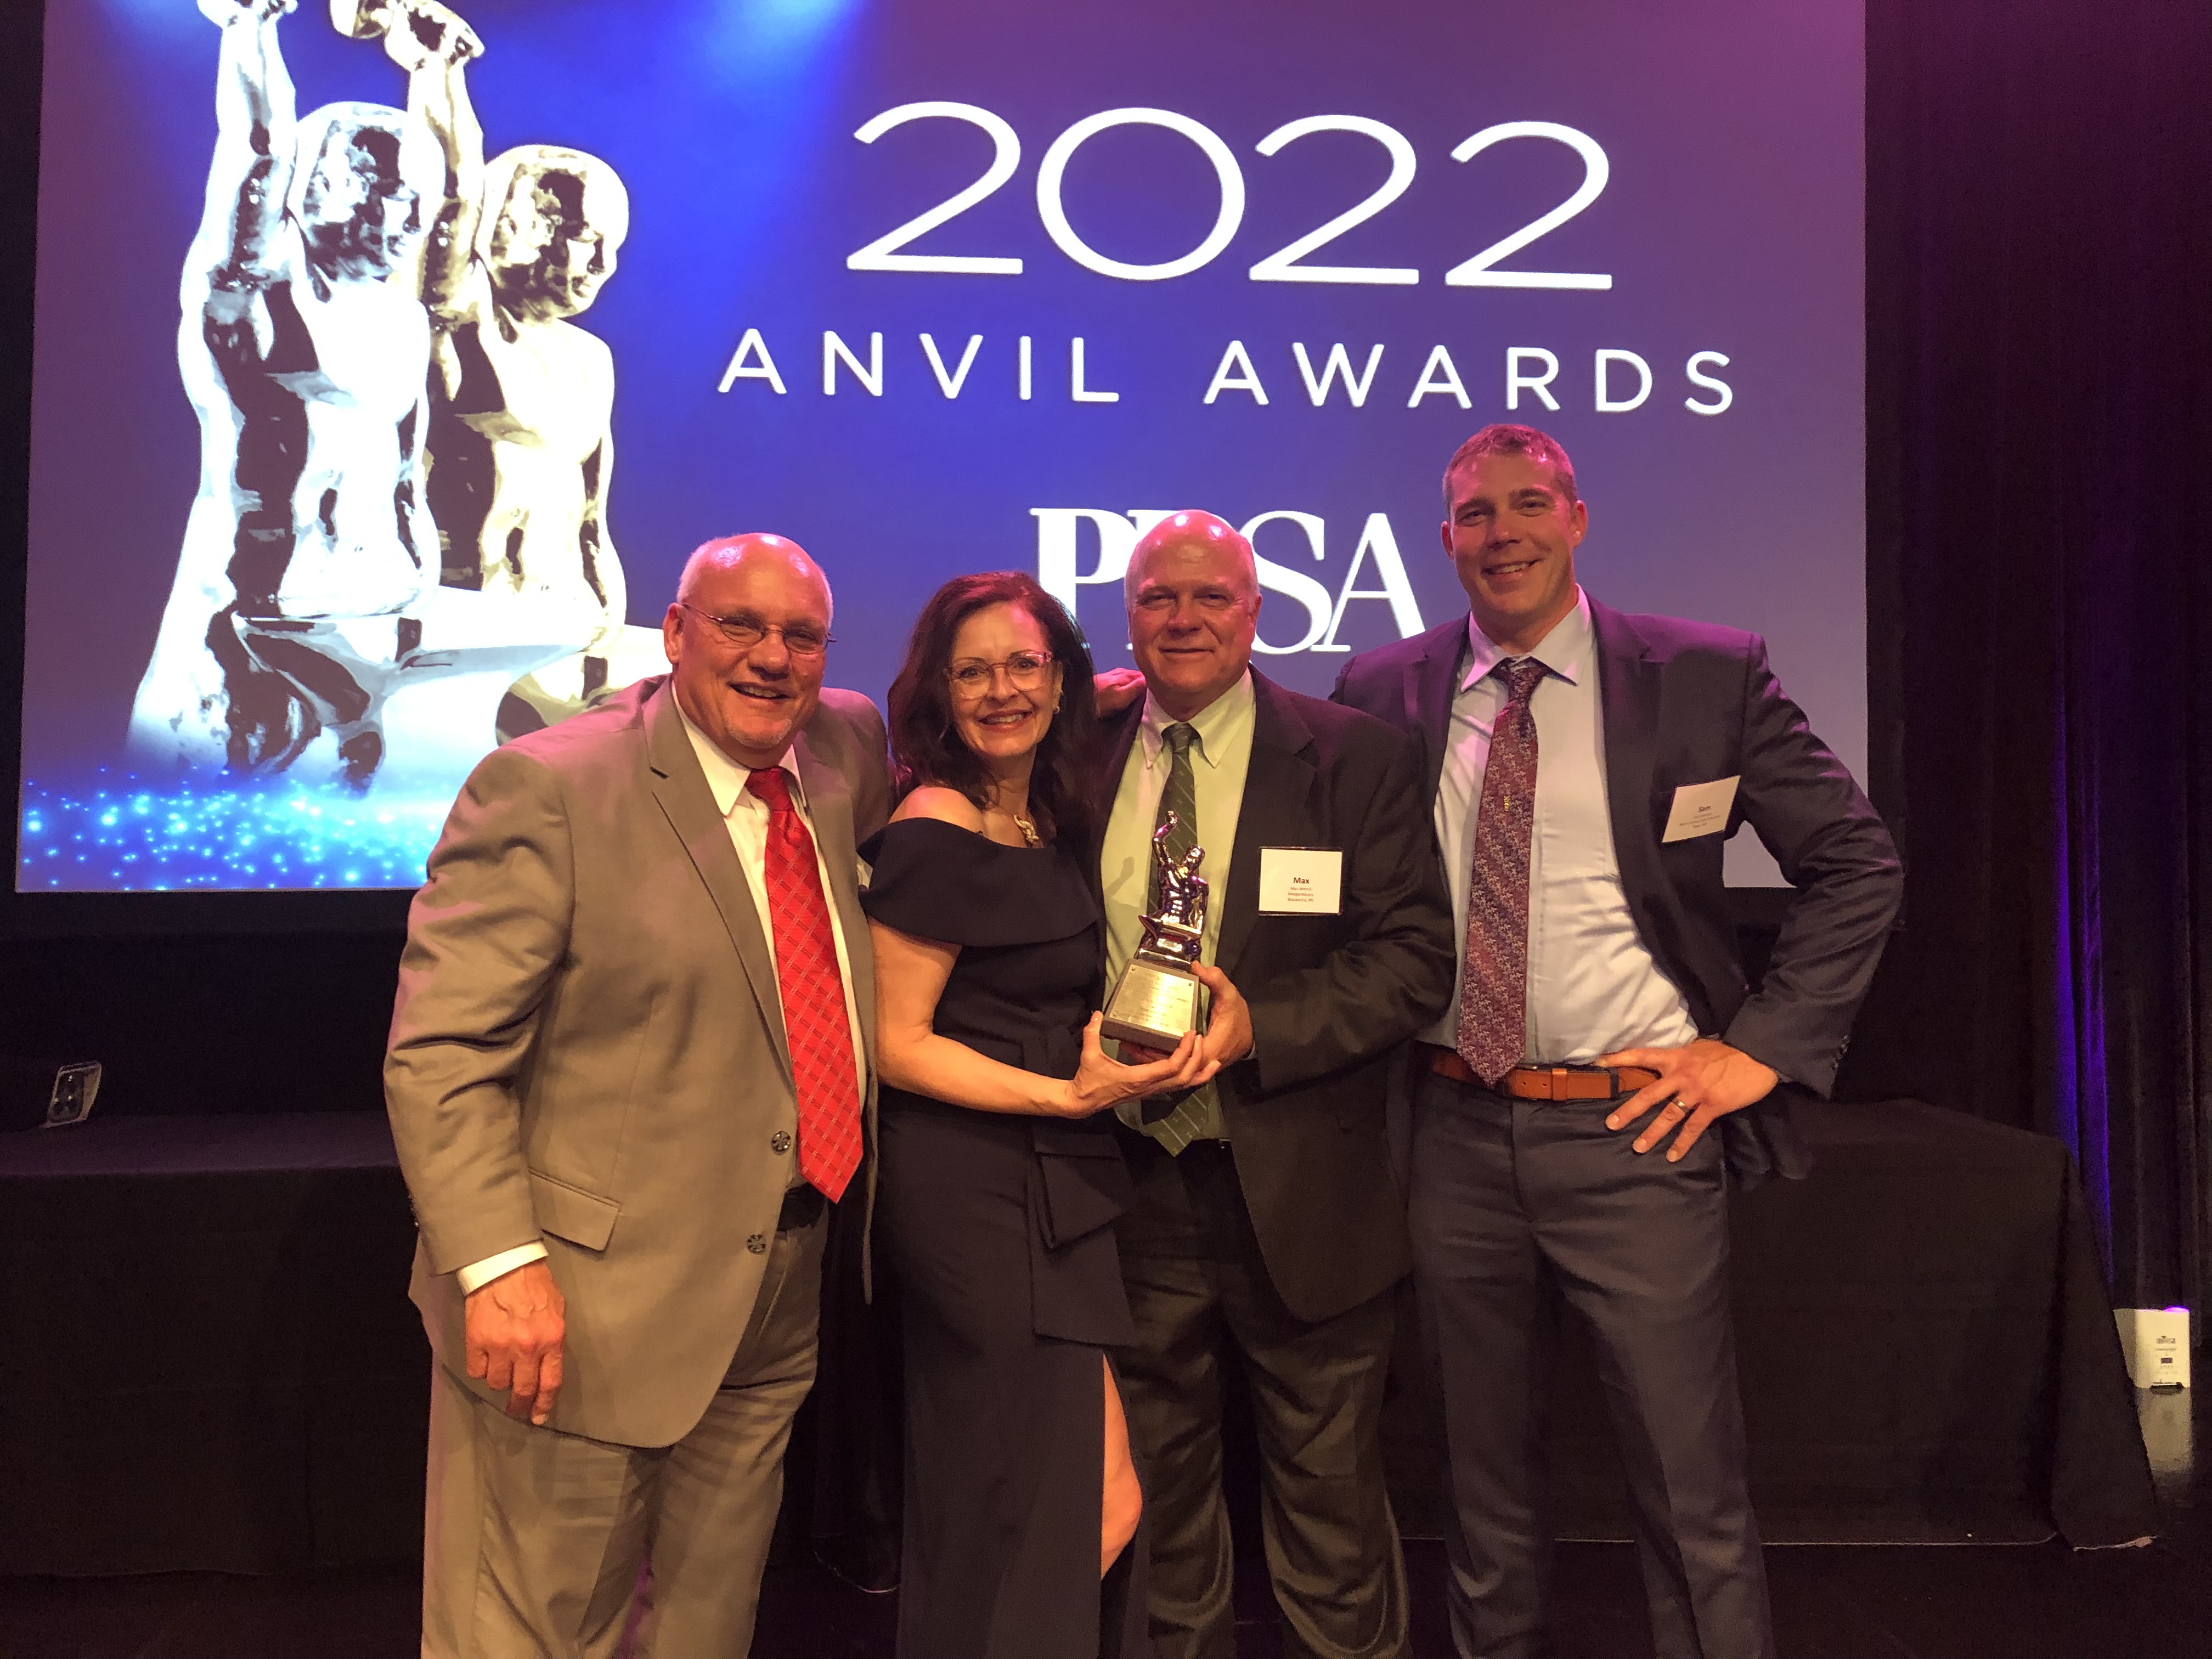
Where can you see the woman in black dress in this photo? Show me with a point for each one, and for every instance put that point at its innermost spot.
(999, 1178)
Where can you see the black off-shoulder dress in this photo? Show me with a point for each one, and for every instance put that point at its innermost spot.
(997, 1228)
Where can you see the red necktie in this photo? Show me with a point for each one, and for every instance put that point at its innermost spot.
(1493, 998)
(813, 992)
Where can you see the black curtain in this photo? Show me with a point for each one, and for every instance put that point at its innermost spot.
(2041, 481)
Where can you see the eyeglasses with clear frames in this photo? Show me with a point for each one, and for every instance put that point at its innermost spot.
(1025, 671)
(746, 631)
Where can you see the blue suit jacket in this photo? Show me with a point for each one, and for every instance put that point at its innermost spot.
(1687, 702)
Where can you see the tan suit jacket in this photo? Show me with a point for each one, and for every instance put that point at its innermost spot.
(588, 1048)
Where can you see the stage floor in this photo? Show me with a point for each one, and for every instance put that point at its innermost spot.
(2039, 1601)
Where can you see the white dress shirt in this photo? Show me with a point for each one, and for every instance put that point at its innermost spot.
(747, 815)
(1219, 760)
(1592, 988)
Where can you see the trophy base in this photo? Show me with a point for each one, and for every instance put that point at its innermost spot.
(1153, 1004)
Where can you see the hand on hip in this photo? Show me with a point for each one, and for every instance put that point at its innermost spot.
(1699, 1083)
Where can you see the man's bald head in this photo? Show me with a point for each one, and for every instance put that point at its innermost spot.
(1193, 594)
(730, 555)
(1182, 535)
(746, 638)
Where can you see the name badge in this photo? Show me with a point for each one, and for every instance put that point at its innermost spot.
(1301, 881)
(1701, 809)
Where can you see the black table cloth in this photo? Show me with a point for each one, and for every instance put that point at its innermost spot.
(208, 1360)
(1926, 1348)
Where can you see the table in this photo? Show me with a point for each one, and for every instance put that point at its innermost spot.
(1925, 1343)
(208, 1360)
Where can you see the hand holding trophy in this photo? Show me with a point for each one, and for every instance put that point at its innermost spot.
(1153, 1010)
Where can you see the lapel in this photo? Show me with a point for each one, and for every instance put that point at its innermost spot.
(830, 804)
(1277, 785)
(1120, 739)
(680, 788)
(1118, 735)
(1431, 680)
(1628, 695)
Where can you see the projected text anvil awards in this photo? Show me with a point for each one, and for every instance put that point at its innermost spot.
(1618, 381)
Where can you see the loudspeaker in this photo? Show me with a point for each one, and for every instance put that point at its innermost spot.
(46, 1094)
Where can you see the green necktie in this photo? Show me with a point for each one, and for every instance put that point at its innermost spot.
(1179, 798)
(1197, 1113)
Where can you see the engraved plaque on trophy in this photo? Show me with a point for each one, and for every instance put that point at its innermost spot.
(1155, 999)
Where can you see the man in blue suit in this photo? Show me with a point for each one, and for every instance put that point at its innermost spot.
(1585, 767)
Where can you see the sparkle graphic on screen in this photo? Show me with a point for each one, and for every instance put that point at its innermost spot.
(126, 838)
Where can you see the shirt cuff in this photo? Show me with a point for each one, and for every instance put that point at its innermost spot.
(477, 1274)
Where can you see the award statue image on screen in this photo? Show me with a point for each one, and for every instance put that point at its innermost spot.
(521, 411)
(521, 440)
(358, 315)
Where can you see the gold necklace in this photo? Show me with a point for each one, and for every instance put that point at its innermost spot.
(1027, 828)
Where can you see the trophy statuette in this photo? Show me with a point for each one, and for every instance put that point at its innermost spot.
(1155, 1000)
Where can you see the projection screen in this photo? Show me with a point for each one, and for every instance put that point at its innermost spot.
(389, 358)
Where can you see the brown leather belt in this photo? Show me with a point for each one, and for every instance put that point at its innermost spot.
(1544, 1082)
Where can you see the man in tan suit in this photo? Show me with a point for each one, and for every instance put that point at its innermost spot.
(627, 1074)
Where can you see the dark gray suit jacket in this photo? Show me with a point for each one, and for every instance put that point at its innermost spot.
(1687, 702)
(1332, 997)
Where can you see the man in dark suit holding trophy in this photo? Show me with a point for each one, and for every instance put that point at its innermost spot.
(1266, 1224)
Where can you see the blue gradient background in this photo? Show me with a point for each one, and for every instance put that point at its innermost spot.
(1732, 222)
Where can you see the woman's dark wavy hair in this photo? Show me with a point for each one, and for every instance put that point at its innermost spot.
(927, 748)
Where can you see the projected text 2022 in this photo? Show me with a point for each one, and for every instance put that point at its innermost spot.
(1620, 379)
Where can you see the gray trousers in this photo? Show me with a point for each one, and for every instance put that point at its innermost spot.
(1208, 1319)
(537, 1542)
(1508, 1198)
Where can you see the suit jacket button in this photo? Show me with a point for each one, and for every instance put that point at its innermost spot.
(778, 1143)
(757, 1244)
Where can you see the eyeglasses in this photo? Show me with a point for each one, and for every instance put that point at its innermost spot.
(746, 631)
(1026, 671)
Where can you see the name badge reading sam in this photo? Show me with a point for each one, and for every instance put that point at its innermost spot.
(1701, 809)
(1301, 881)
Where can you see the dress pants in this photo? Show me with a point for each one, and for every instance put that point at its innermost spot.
(1510, 1199)
(1207, 1315)
(538, 1542)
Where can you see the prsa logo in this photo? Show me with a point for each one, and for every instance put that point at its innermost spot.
(1375, 557)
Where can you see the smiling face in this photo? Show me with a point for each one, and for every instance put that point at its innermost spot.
(1512, 535)
(1194, 602)
(751, 701)
(1007, 715)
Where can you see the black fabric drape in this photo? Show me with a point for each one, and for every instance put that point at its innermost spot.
(2040, 486)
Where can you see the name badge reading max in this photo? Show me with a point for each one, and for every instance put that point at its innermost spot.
(1301, 881)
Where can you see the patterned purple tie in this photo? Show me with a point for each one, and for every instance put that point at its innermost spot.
(1493, 997)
